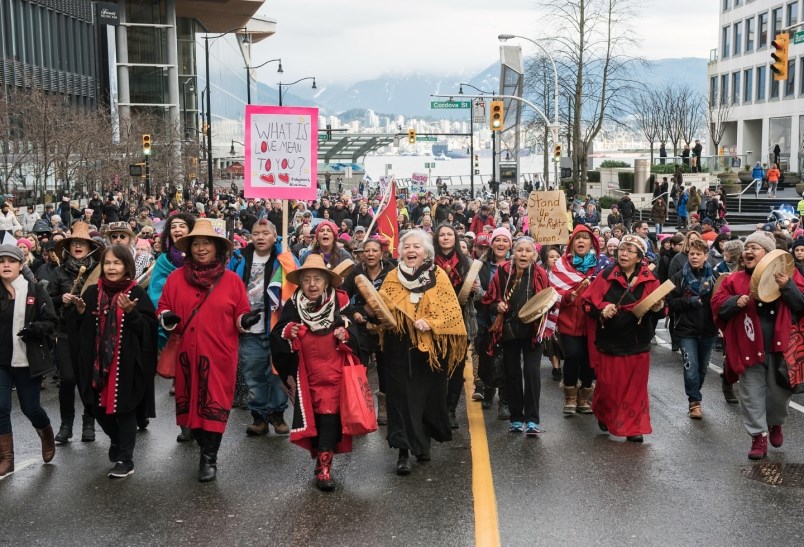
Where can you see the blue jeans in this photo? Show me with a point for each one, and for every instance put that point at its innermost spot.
(695, 352)
(28, 395)
(266, 395)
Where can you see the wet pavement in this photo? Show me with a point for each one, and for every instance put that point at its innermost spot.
(573, 485)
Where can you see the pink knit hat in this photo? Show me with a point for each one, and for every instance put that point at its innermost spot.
(25, 241)
(504, 232)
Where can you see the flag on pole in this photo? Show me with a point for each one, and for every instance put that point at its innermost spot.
(387, 222)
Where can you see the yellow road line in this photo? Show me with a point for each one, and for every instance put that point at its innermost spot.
(487, 529)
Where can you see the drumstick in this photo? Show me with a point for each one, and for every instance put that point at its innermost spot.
(76, 286)
(583, 284)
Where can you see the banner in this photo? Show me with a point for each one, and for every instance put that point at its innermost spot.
(547, 215)
(281, 152)
(419, 179)
(387, 222)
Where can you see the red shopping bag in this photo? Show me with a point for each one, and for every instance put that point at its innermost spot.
(357, 401)
(166, 365)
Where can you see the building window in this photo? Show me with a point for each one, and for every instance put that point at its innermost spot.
(761, 72)
(738, 37)
(763, 30)
(748, 85)
(726, 48)
(735, 88)
(792, 13)
(724, 88)
(790, 83)
(749, 35)
(801, 80)
(713, 90)
(777, 21)
(726, 4)
(774, 92)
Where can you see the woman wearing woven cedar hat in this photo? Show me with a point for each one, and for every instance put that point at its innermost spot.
(325, 243)
(571, 276)
(762, 329)
(314, 331)
(75, 252)
(427, 345)
(623, 342)
(117, 359)
(511, 287)
(120, 233)
(207, 306)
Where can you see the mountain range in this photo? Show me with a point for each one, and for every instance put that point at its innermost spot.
(409, 95)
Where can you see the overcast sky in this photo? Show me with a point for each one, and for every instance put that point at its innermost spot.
(347, 41)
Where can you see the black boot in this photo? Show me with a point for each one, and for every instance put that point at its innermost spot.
(452, 405)
(185, 435)
(209, 443)
(65, 432)
(488, 397)
(502, 408)
(87, 429)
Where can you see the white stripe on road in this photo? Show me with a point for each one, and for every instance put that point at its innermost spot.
(20, 467)
(718, 369)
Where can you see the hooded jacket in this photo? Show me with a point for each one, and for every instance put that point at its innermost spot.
(567, 280)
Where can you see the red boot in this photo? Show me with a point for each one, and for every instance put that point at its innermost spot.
(759, 447)
(775, 436)
(323, 478)
(6, 454)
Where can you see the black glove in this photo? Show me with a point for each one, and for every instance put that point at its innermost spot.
(169, 319)
(27, 334)
(250, 319)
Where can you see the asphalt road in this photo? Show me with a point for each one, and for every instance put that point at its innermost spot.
(686, 484)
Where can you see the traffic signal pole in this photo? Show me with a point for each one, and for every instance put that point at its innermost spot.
(472, 150)
(147, 176)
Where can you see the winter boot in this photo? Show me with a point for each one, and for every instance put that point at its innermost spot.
(65, 432)
(488, 397)
(6, 454)
(584, 403)
(503, 412)
(323, 476)
(695, 410)
(87, 429)
(209, 443)
(759, 447)
(382, 410)
(185, 435)
(570, 399)
(728, 392)
(452, 405)
(48, 443)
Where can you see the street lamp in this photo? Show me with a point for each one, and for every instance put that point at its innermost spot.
(245, 40)
(472, 141)
(554, 129)
(184, 110)
(232, 151)
(248, 76)
(292, 83)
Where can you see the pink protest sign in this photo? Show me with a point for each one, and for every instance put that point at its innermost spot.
(281, 152)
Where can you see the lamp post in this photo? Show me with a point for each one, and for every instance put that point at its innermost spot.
(184, 110)
(281, 85)
(246, 40)
(248, 76)
(472, 140)
(232, 151)
(554, 128)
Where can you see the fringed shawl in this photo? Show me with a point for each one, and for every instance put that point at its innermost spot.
(446, 341)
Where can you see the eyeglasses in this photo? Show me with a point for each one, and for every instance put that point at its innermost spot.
(118, 236)
(629, 251)
(753, 248)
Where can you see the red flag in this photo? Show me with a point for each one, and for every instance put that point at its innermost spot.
(386, 223)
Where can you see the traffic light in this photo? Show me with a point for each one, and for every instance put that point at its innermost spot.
(780, 46)
(411, 136)
(146, 144)
(557, 152)
(497, 115)
(477, 161)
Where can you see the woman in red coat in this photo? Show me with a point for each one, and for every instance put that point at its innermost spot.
(621, 395)
(207, 306)
(313, 325)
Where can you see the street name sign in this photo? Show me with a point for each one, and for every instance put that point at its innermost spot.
(449, 105)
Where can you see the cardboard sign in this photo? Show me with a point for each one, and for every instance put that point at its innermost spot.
(419, 179)
(547, 214)
(281, 152)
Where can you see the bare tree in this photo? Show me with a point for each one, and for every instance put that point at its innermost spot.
(13, 151)
(648, 110)
(593, 37)
(693, 115)
(718, 115)
(539, 86)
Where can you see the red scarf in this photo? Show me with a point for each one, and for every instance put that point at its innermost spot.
(107, 340)
(202, 276)
(449, 263)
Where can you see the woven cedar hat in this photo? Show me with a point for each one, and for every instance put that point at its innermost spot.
(202, 228)
(314, 261)
(80, 230)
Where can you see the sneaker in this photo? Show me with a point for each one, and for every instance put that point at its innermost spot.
(533, 429)
(775, 436)
(278, 421)
(478, 394)
(121, 470)
(759, 447)
(516, 427)
(634, 438)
